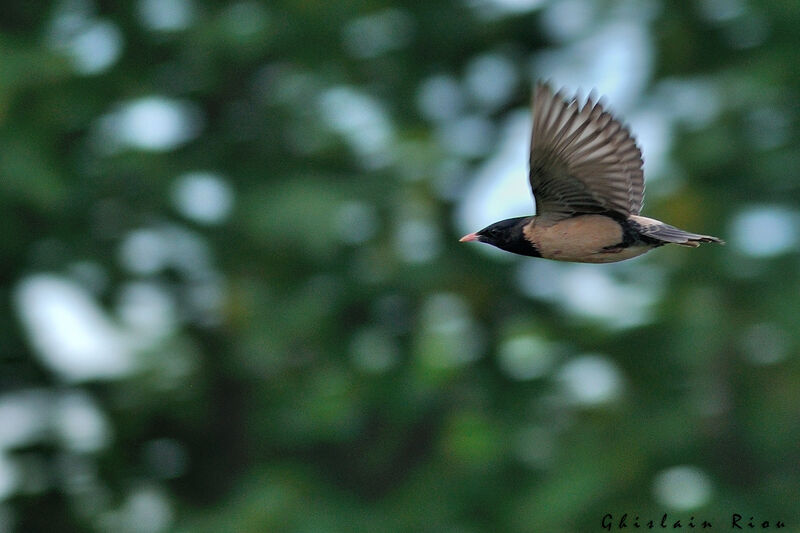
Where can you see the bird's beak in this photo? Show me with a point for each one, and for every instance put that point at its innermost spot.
(469, 238)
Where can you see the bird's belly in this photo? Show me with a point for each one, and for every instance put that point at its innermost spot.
(582, 239)
(609, 256)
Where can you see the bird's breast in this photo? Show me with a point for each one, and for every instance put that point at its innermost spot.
(583, 238)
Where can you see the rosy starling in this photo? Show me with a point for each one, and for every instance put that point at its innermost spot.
(588, 184)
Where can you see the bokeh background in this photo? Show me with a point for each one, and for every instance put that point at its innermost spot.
(234, 298)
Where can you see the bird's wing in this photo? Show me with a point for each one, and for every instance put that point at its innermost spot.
(582, 159)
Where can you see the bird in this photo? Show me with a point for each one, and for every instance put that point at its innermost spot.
(587, 181)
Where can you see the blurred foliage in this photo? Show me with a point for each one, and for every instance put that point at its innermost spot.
(325, 356)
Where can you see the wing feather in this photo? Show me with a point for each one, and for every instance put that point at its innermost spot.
(582, 159)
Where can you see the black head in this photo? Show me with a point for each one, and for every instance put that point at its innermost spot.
(506, 235)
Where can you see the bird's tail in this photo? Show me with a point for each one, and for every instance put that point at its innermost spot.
(665, 233)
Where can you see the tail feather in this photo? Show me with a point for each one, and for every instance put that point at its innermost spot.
(665, 233)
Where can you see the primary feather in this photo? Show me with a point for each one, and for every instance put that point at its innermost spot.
(582, 159)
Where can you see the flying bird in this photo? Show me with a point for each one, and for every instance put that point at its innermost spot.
(588, 184)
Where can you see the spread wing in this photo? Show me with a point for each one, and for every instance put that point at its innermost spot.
(582, 159)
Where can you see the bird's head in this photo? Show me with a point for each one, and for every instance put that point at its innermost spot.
(506, 235)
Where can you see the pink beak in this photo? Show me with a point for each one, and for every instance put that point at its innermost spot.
(469, 238)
